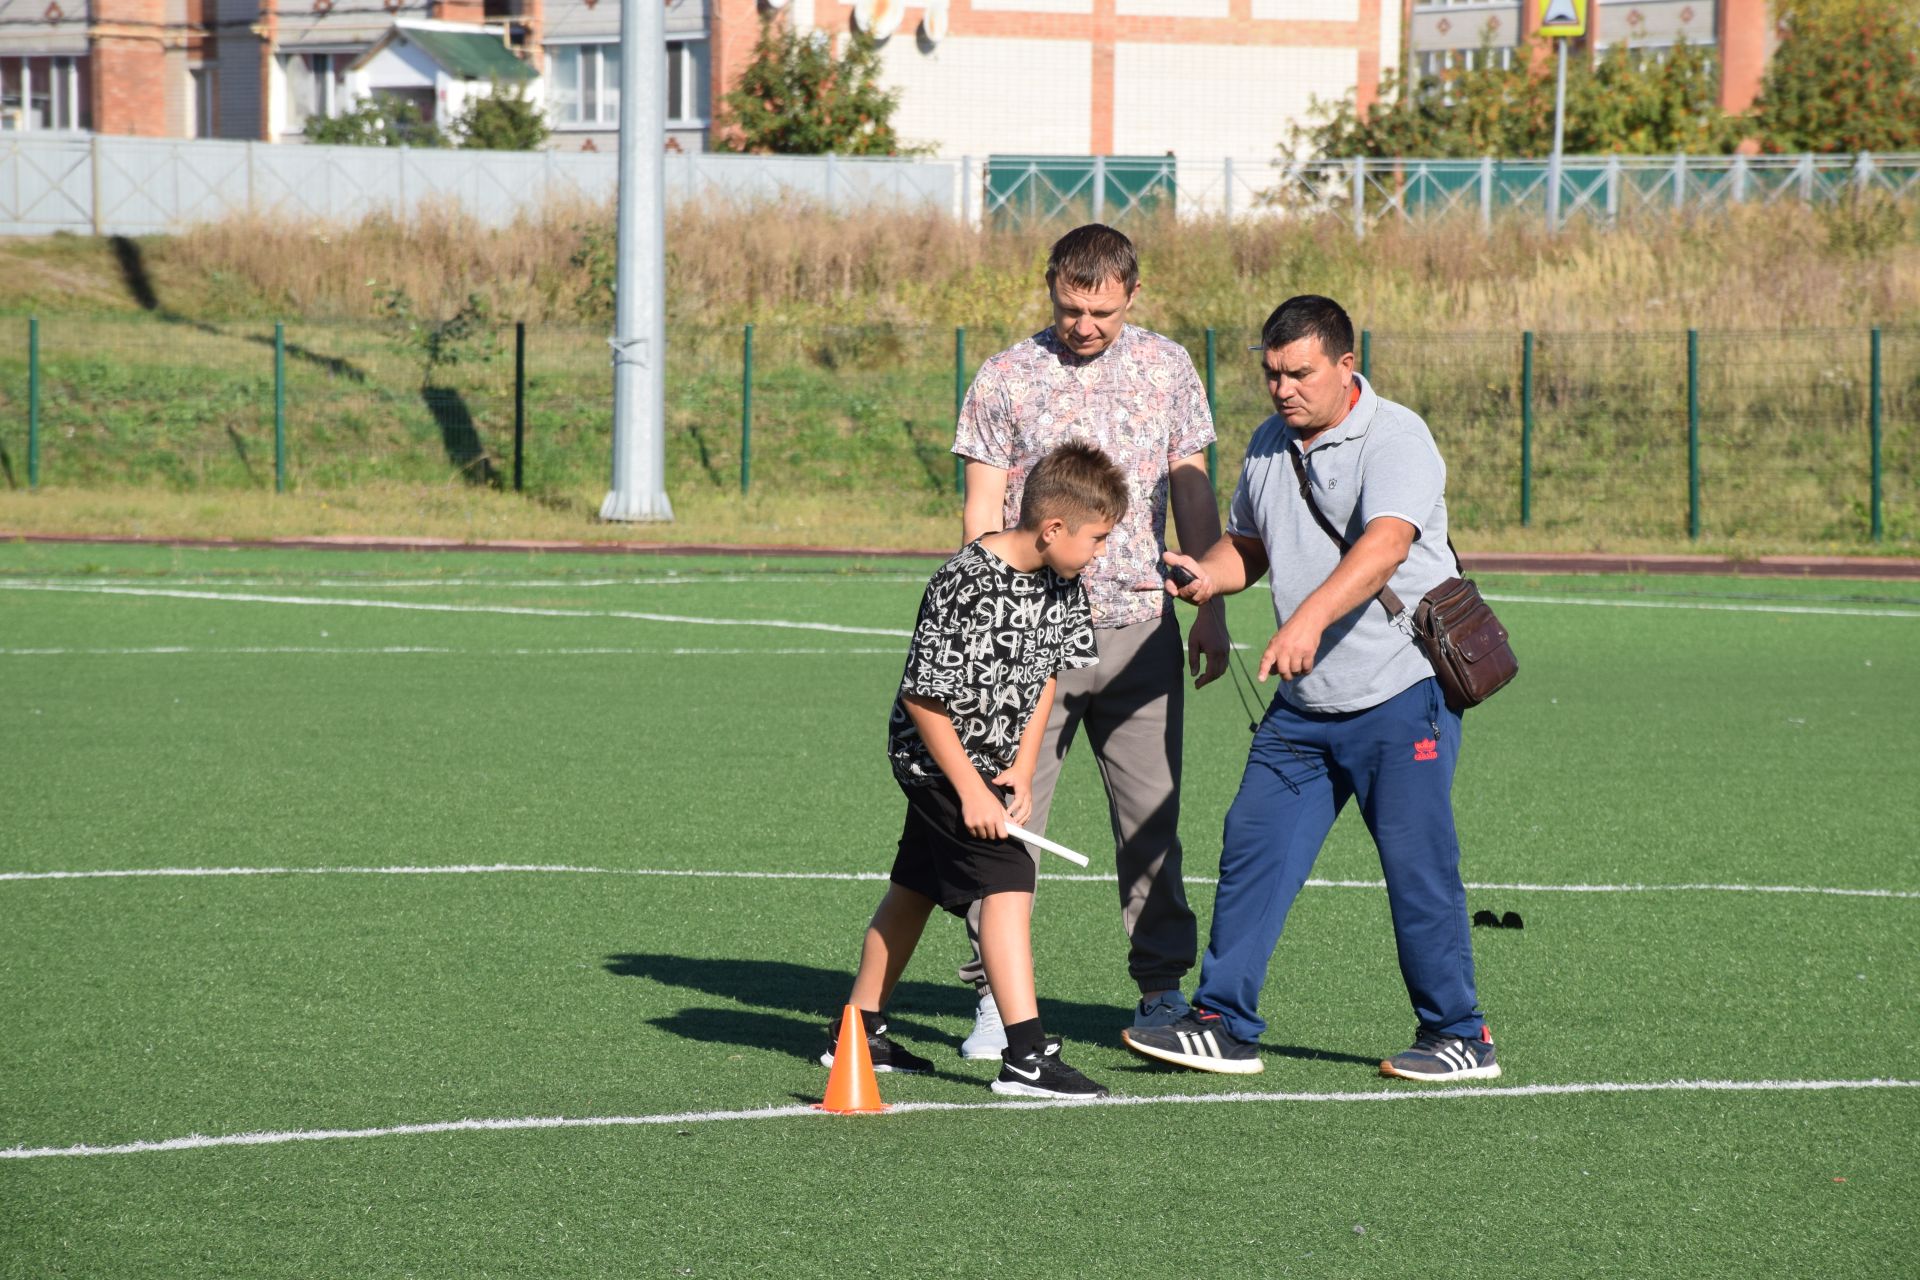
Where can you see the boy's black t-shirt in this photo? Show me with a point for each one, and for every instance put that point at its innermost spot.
(987, 641)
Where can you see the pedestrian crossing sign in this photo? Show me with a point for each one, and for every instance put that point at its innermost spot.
(1563, 17)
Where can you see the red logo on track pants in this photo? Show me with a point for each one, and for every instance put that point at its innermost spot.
(1426, 749)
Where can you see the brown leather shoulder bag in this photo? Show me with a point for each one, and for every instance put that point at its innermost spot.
(1453, 626)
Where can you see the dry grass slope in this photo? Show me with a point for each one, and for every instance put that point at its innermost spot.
(1768, 267)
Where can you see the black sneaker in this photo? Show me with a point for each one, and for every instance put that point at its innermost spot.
(1043, 1075)
(886, 1055)
(1442, 1058)
(1200, 1041)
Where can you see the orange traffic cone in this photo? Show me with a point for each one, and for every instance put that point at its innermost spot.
(851, 1088)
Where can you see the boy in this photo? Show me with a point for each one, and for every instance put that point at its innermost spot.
(996, 622)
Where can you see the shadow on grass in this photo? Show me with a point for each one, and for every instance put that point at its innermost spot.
(935, 457)
(139, 282)
(460, 437)
(240, 451)
(706, 455)
(802, 1037)
(816, 994)
(819, 993)
(1153, 1067)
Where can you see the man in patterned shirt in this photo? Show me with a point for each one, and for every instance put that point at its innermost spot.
(1093, 377)
(997, 622)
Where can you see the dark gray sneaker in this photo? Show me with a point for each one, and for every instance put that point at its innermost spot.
(1200, 1041)
(886, 1055)
(1440, 1059)
(1162, 1011)
(1043, 1075)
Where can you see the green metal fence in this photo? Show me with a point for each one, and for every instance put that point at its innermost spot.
(1785, 436)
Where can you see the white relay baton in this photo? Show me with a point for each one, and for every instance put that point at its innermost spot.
(1019, 832)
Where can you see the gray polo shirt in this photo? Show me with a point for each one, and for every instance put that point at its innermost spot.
(1379, 461)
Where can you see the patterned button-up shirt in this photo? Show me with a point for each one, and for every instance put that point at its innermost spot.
(1139, 400)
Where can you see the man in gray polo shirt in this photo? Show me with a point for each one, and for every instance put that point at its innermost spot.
(1358, 713)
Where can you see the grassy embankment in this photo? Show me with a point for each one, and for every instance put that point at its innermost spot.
(157, 370)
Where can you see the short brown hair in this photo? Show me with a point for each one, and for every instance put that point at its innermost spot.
(1309, 316)
(1087, 257)
(1075, 483)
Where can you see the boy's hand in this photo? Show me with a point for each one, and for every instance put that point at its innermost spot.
(1020, 793)
(981, 812)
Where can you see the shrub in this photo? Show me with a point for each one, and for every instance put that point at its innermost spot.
(797, 97)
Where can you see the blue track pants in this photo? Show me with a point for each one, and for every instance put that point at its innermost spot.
(1397, 760)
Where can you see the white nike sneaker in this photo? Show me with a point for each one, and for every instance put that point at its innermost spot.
(989, 1034)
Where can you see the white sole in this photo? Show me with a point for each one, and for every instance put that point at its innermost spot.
(1219, 1066)
(1014, 1089)
(982, 1055)
(1477, 1073)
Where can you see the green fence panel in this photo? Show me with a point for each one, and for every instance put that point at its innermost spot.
(384, 403)
(1468, 390)
(1024, 190)
(1784, 456)
(1900, 437)
(131, 400)
(14, 411)
(1784, 418)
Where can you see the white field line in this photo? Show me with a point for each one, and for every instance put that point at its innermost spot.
(42, 584)
(235, 597)
(195, 1142)
(499, 868)
(1837, 611)
(172, 650)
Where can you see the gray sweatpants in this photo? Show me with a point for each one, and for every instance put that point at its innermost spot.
(1133, 706)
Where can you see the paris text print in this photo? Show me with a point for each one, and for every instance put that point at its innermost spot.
(987, 641)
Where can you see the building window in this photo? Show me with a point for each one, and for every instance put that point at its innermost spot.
(316, 86)
(685, 101)
(200, 90)
(1435, 61)
(584, 84)
(1442, 65)
(1651, 54)
(44, 93)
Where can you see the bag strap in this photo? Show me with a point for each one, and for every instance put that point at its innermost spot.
(1388, 600)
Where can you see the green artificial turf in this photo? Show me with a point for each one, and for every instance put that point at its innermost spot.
(1740, 732)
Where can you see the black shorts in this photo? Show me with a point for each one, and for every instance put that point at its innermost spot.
(940, 859)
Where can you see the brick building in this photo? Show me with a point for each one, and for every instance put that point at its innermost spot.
(253, 69)
(1098, 77)
(1198, 78)
(1459, 33)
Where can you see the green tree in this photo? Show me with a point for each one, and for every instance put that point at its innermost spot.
(797, 98)
(378, 121)
(1846, 77)
(1621, 103)
(503, 120)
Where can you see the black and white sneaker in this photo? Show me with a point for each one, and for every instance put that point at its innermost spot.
(1043, 1075)
(1200, 1041)
(886, 1055)
(1443, 1058)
